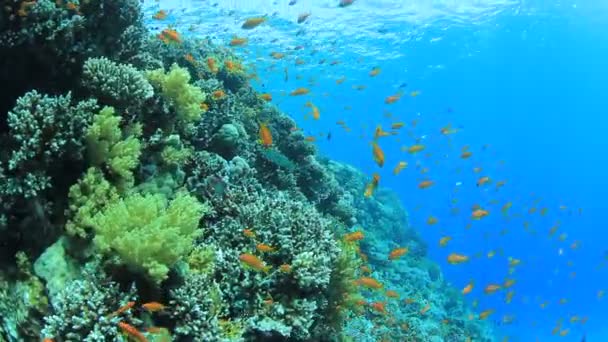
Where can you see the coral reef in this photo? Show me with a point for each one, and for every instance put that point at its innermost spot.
(131, 172)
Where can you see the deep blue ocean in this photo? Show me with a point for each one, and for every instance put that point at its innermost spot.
(522, 84)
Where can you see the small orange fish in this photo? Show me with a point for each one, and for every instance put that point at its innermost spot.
(397, 125)
(365, 269)
(478, 214)
(211, 64)
(371, 187)
(369, 282)
(264, 248)
(375, 71)
(160, 15)
(204, 107)
(466, 154)
(483, 181)
(432, 220)
(380, 307)
(265, 135)
(392, 99)
(414, 148)
(218, 94)
(153, 307)
(277, 55)
(285, 268)
(397, 253)
(253, 22)
(400, 166)
(341, 80)
(254, 262)
(467, 289)
(122, 309)
(492, 288)
(315, 111)
(354, 236)
(392, 294)
(456, 258)
(444, 241)
(425, 309)
(425, 184)
(169, 36)
(236, 41)
(132, 331)
(249, 233)
(415, 93)
(266, 97)
(485, 314)
(300, 91)
(378, 154)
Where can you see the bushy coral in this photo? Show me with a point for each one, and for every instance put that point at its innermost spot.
(147, 233)
(83, 311)
(44, 130)
(175, 88)
(119, 85)
(109, 146)
(88, 197)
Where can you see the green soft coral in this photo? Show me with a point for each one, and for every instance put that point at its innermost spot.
(148, 234)
(175, 88)
(88, 197)
(109, 145)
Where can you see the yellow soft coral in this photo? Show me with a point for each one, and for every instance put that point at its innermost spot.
(176, 89)
(148, 234)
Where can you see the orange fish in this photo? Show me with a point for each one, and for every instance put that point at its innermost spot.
(400, 166)
(483, 181)
(315, 111)
(300, 91)
(341, 80)
(264, 248)
(122, 309)
(354, 236)
(132, 332)
(492, 288)
(170, 35)
(392, 294)
(368, 282)
(397, 253)
(236, 41)
(285, 268)
(466, 154)
(485, 314)
(153, 307)
(425, 309)
(467, 289)
(218, 94)
(265, 135)
(479, 214)
(211, 64)
(369, 189)
(378, 154)
(249, 233)
(392, 99)
(456, 258)
(432, 220)
(414, 148)
(277, 55)
(375, 71)
(253, 22)
(266, 97)
(397, 125)
(254, 262)
(444, 241)
(160, 15)
(425, 184)
(379, 307)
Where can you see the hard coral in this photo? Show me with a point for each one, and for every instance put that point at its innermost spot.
(149, 234)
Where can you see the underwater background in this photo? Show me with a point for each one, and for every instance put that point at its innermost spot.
(290, 170)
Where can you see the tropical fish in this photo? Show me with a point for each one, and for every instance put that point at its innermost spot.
(132, 331)
(397, 253)
(300, 91)
(369, 282)
(400, 166)
(153, 306)
(253, 22)
(265, 135)
(264, 248)
(254, 262)
(375, 71)
(456, 258)
(444, 241)
(378, 154)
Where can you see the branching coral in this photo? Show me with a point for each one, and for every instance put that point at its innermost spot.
(148, 234)
(116, 84)
(83, 310)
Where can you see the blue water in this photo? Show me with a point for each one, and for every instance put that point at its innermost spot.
(527, 82)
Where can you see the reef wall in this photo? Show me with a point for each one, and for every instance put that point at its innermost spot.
(137, 201)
